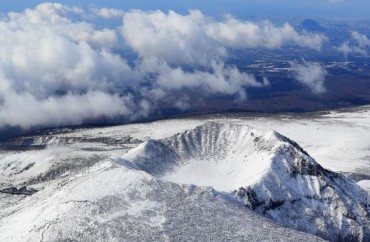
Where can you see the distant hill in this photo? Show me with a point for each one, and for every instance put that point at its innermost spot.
(312, 26)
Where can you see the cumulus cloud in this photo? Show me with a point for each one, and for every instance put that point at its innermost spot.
(56, 71)
(56, 68)
(241, 34)
(56, 18)
(174, 38)
(197, 39)
(220, 79)
(310, 74)
(359, 45)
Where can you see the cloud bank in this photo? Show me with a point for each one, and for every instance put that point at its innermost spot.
(197, 39)
(54, 71)
(56, 68)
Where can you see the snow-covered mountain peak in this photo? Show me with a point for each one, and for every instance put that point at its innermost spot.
(269, 172)
(82, 197)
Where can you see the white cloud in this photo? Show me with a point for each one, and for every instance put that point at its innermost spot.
(42, 62)
(183, 103)
(171, 37)
(362, 40)
(196, 39)
(220, 79)
(310, 74)
(108, 13)
(241, 34)
(359, 45)
(55, 17)
(57, 69)
(26, 110)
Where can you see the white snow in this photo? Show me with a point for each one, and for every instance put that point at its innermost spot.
(223, 175)
(365, 184)
(339, 141)
(88, 194)
(270, 172)
(113, 203)
(223, 156)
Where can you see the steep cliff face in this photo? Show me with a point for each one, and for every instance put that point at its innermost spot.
(268, 172)
(300, 194)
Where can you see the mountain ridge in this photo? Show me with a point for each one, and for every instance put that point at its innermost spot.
(324, 203)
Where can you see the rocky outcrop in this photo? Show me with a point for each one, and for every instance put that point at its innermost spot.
(18, 191)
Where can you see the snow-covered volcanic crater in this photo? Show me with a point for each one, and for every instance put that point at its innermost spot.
(264, 170)
(212, 181)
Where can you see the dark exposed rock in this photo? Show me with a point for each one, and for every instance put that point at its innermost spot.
(19, 191)
(251, 198)
(273, 205)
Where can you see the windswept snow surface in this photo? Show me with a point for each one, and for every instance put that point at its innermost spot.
(88, 184)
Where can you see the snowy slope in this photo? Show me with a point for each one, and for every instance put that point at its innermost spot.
(39, 175)
(270, 173)
(108, 202)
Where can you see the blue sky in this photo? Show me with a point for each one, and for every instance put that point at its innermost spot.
(357, 9)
